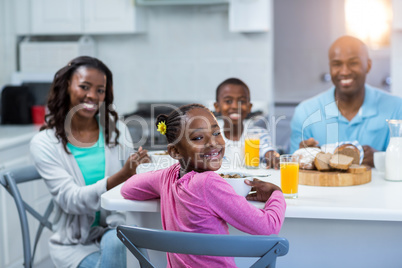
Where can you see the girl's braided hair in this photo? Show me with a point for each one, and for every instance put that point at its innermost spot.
(174, 121)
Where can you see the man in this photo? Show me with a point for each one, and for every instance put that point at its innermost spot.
(350, 111)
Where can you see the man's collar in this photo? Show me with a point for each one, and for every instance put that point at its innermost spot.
(368, 109)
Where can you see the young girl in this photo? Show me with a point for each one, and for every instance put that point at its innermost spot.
(233, 104)
(196, 199)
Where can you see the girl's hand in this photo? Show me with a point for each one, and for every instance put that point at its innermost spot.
(263, 190)
(135, 159)
(272, 159)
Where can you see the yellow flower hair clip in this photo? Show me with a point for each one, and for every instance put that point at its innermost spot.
(162, 127)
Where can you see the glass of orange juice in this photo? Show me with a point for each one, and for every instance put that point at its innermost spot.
(289, 175)
(252, 148)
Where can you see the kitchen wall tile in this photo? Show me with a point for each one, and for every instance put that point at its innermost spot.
(209, 74)
(257, 77)
(172, 31)
(178, 81)
(146, 84)
(253, 45)
(213, 39)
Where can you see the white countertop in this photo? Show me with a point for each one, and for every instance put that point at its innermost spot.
(379, 200)
(12, 135)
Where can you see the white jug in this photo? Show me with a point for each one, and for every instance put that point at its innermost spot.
(393, 156)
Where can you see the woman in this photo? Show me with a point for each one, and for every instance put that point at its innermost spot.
(78, 152)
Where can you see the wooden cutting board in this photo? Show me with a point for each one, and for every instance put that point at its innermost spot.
(333, 178)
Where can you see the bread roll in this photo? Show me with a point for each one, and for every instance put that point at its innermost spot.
(340, 161)
(321, 161)
(357, 169)
(306, 157)
(349, 150)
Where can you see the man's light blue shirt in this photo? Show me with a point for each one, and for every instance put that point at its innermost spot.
(319, 118)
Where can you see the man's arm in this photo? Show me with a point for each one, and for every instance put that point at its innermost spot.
(368, 155)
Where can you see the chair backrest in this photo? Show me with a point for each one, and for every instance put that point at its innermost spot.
(268, 248)
(9, 180)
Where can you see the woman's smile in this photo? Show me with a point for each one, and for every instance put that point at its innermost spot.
(90, 106)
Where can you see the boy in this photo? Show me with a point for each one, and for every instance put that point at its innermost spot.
(233, 103)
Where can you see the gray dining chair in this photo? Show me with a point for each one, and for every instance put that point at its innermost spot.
(138, 239)
(9, 179)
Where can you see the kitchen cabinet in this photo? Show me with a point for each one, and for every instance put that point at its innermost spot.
(14, 151)
(56, 16)
(250, 16)
(111, 16)
(60, 17)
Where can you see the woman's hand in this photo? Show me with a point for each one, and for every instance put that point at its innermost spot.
(135, 159)
(263, 190)
(129, 168)
(272, 159)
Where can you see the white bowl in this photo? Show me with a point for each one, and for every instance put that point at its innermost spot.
(162, 159)
(238, 184)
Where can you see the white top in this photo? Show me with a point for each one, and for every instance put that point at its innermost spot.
(379, 200)
(234, 150)
(75, 202)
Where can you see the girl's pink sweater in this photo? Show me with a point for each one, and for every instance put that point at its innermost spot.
(203, 203)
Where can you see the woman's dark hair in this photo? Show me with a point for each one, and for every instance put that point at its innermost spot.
(232, 81)
(58, 102)
(174, 121)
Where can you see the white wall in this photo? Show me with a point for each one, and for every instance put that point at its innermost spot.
(188, 50)
(304, 31)
(185, 53)
(396, 52)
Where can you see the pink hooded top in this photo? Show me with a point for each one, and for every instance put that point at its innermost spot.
(203, 203)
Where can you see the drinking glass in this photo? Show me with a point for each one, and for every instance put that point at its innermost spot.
(252, 148)
(289, 175)
(393, 155)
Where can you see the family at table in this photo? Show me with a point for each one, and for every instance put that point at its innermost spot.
(80, 148)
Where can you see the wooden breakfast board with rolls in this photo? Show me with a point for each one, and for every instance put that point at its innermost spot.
(341, 168)
(334, 178)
